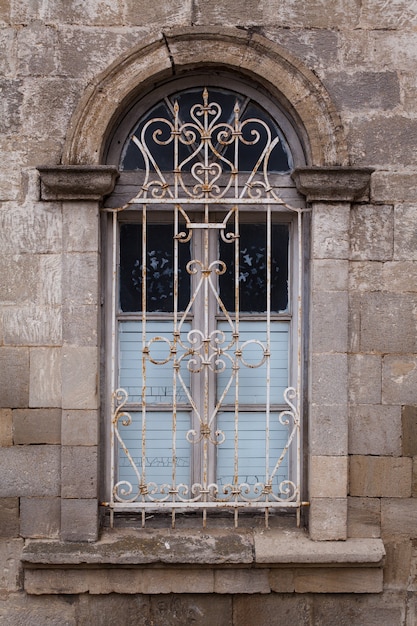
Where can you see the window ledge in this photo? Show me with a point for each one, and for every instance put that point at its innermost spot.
(156, 561)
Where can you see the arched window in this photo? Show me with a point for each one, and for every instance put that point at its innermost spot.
(205, 354)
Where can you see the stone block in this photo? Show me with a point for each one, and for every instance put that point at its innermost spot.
(399, 379)
(331, 580)
(14, 377)
(80, 428)
(392, 16)
(328, 519)
(12, 100)
(80, 278)
(405, 235)
(397, 564)
(32, 325)
(364, 517)
(80, 324)
(40, 517)
(281, 580)
(167, 610)
(399, 276)
(398, 518)
(45, 377)
(79, 471)
(375, 429)
(31, 228)
(218, 13)
(9, 517)
(6, 427)
(80, 377)
(328, 476)
(79, 520)
(329, 379)
(36, 426)
(241, 581)
(364, 90)
(30, 471)
(49, 281)
(409, 430)
(36, 50)
(374, 141)
(80, 226)
(328, 430)
(354, 325)
(386, 477)
(329, 275)
(18, 609)
(280, 610)
(393, 187)
(330, 231)
(371, 233)
(365, 374)
(124, 609)
(383, 329)
(292, 14)
(365, 275)
(325, 336)
(361, 610)
(19, 282)
(174, 13)
(10, 566)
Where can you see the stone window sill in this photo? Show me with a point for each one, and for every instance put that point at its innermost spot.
(197, 561)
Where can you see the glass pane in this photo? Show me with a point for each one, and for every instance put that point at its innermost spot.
(159, 270)
(253, 269)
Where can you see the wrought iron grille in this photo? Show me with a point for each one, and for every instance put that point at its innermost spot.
(203, 415)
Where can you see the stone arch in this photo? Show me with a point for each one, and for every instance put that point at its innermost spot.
(177, 51)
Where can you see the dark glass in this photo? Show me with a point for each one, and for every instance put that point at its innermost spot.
(159, 269)
(253, 269)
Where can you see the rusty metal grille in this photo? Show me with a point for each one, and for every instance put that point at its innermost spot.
(205, 401)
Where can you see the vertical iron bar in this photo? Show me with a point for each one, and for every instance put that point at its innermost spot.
(113, 362)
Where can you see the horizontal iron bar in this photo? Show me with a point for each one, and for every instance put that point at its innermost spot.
(128, 506)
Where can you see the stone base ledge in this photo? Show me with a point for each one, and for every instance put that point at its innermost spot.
(244, 561)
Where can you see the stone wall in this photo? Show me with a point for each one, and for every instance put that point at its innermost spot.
(359, 57)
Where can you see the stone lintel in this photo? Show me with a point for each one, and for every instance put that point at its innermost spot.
(77, 182)
(200, 547)
(333, 184)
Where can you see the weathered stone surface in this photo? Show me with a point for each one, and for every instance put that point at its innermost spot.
(387, 477)
(399, 379)
(50, 278)
(10, 575)
(365, 276)
(329, 275)
(327, 337)
(79, 378)
(76, 182)
(37, 50)
(80, 324)
(32, 325)
(397, 564)
(328, 430)
(281, 580)
(31, 228)
(374, 142)
(405, 240)
(80, 226)
(333, 184)
(79, 471)
(399, 276)
(125, 610)
(393, 186)
(330, 232)
(365, 374)
(364, 517)
(398, 517)
(80, 428)
(14, 377)
(329, 379)
(372, 233)
(19, 278)
(6, 427)
(328, 519)
(79, 520)
(9, 517)
(30, 471)
(18, 609)
(40, 517)
(80, 278)
(331, 580)
(362, 610)
(328, 476)
(11, 109)
(241, 581)
(364, 90)
(383, 329)
(375, 429)
(409, 430)
(280, 610)
(45, 378)
(36, 426)
(175, 611)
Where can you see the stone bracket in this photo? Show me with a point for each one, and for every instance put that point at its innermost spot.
(333, 184)
(77, 182)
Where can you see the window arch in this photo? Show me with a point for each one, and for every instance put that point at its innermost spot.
(206, 302)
